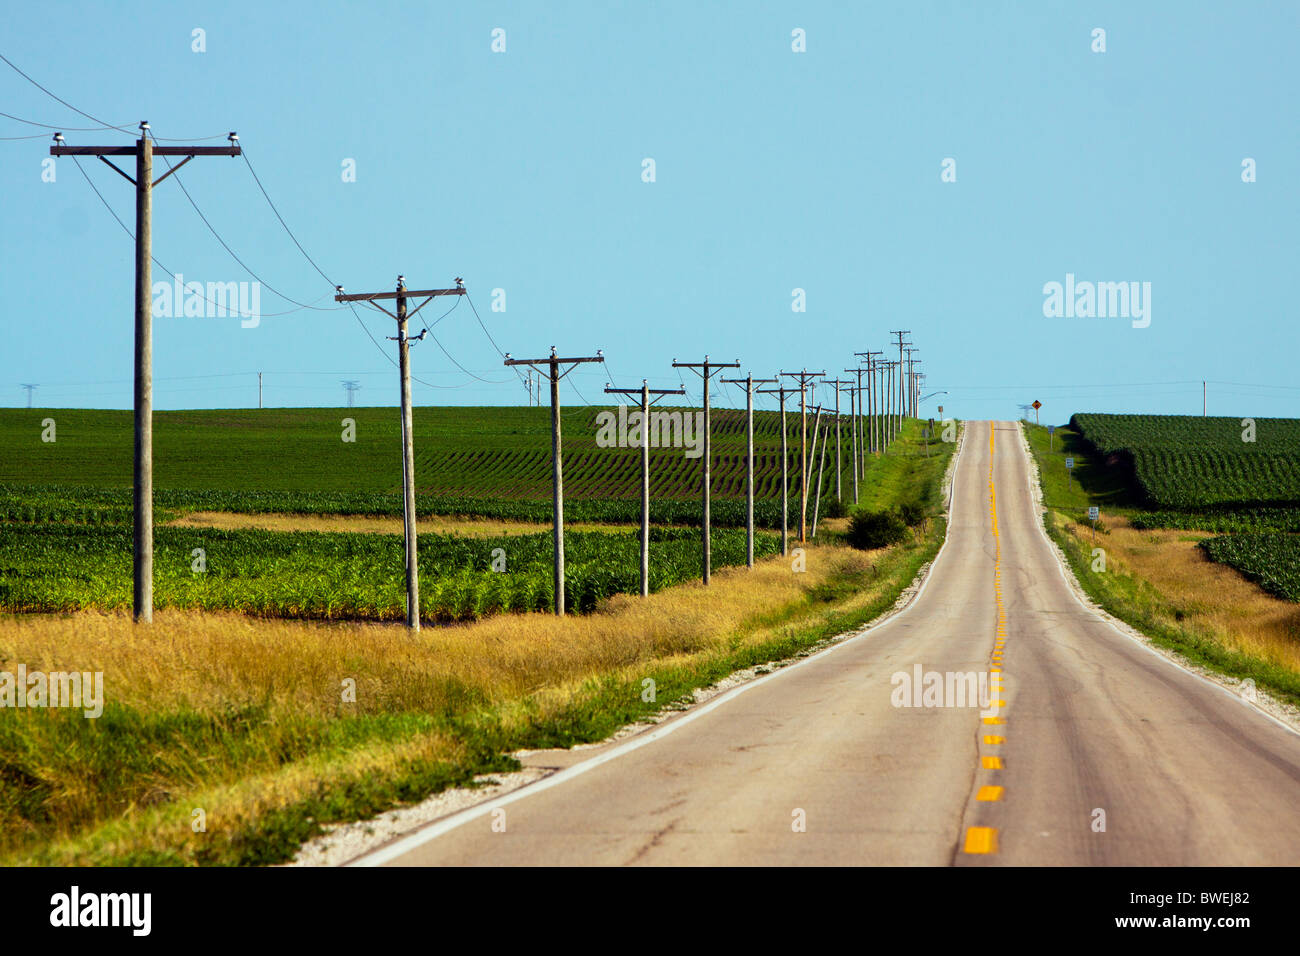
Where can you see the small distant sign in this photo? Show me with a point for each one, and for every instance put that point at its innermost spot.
(1051, 429)
(1069, 463)
(940, 409)
(1093, 513)
(1037, 405)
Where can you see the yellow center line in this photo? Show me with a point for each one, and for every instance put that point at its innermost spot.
(984, 840)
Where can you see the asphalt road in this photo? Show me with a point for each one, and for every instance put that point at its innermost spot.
(1091, 749)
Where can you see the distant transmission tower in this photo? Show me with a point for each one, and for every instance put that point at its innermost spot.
(351, 388)
(30, 389)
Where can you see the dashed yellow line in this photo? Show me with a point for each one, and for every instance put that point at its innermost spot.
(981, 840)
(984, 840)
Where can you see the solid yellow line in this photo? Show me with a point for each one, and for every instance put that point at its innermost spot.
(989, 794)
(981, 840)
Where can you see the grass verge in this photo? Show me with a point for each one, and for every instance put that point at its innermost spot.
(1162, 584)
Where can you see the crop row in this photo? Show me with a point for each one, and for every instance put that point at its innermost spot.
(108, 506)
(1235, 521)
(1271, 560)
(1183, 463)
(341, 575)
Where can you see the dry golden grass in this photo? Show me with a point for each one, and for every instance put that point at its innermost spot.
(520, 668)
(379, 524)
(1211, 597)
(210, 661)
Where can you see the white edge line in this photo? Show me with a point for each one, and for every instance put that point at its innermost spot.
(406, 844)
(1101, 614)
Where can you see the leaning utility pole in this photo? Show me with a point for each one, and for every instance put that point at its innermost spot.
(553, 364)
(705, 370)
(30, 389)
(839, 461)
(645, 392)
(144, 151)
(408, 445)
(781, 390)
(817, 506)
(805, 378)
(749, 382)
(817, 424)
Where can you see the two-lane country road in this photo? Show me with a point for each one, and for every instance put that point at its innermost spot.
(1094, 749)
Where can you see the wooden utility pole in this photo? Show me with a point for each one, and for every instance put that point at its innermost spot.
(816, 491)
(781, 391)
(839, 461)
(706, 370)
(144, 151)
(859, 434)
(403, 340)
(900, 333)
(853, 430)
(874, 397)
(805, 378)
(910, 405)
(552, 364)
(645, 392)
(749, 382)
(817, 506)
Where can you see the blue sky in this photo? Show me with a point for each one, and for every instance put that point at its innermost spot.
(774, 170)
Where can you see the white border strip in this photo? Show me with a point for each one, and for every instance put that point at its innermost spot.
(404, 845)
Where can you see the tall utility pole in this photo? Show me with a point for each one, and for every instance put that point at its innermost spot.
(259, 389)
(854, 432)
(817, 489)
(805, 378)
(781, 390)
(402, 316)
(552, 364)
(909, 411)
(144, 151)
(892, 400)
(30, 389)
(873, 445)
(854, 422)
(878, 419)
(705, 370)
(839, 461)
(348, 386)
(645, 392)
(900, 333)
(817, 507)
(1204, 399)
(749, 382)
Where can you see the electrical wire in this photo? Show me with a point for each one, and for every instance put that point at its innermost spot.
(226, 246)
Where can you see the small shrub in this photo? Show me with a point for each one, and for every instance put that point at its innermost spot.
(832, 507)
(875, 529)
(912, 512)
